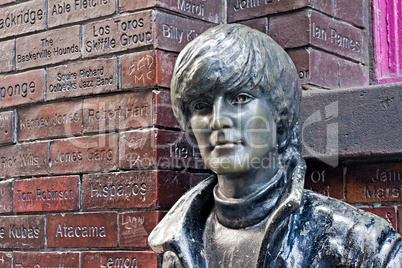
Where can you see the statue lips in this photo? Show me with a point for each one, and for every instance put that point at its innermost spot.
(226, 145)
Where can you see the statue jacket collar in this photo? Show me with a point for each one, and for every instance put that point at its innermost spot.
(181, 230)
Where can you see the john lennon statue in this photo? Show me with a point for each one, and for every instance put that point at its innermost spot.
(238, 93)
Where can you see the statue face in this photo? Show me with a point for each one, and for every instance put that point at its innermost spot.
(235, 131)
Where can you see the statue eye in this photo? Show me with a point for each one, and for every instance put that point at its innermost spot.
(242, 98)
(199, 106)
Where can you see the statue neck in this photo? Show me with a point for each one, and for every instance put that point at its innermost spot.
(251, 209)
(242, 185)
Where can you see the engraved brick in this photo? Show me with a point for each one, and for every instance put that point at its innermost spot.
(6, 56)
(50, 120)
(6, 192)
(136, 189)
(133, 110)
(48, 259)
(247, 9)
(291, 37)
(158, 148)
(387, 213)
(374, 183)
(352, 74)
(313, 28)
(46, 194)
(81, 78)
(5, 258)
(23, 231)
(173, 33)
(334, 122)
(136, 226)
(325, 180)
(67, 11)
(140, 259)
(146, 69)
(95, 153)
(23, 159)
(260, 24)
(140, 29)
(7, 122)
(117, 34)
(48, 47)
(315, 67)
(355, 12)
(22, 88)
(82, 230)
(209, 10)
(163, 114)
(22, 18)
(165, 64)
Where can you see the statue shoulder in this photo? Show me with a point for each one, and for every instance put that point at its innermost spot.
(345, 232)
(337, 213)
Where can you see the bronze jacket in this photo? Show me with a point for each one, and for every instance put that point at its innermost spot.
(306, 230)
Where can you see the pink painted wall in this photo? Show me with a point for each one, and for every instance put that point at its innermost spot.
(387, 27)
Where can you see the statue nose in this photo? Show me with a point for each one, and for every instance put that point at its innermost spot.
(219, 118)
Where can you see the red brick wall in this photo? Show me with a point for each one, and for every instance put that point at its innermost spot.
(91, 156)
(327, 40)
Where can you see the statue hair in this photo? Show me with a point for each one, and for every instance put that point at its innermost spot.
(231, 56)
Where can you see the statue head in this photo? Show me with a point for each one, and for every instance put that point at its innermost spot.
(235, 59)
(238, 93)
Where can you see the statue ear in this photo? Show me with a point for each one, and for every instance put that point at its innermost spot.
(282, 134)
